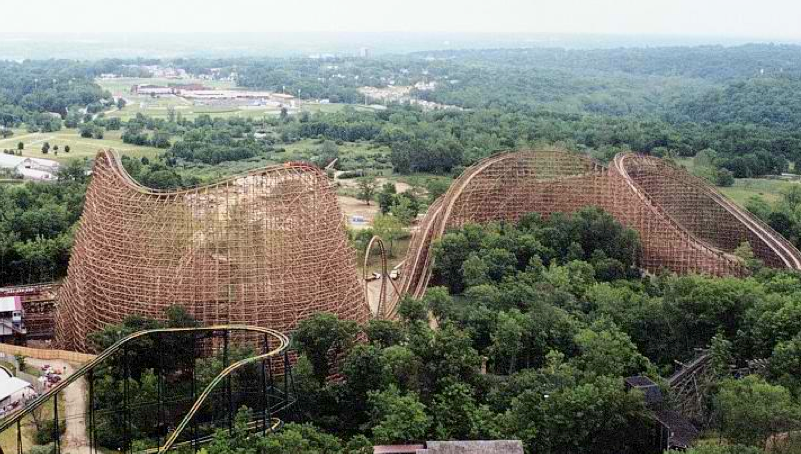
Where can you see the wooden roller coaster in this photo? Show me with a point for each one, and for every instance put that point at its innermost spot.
(268, 248)
(684, 224)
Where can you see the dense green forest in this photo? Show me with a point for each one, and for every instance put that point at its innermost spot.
(739, 105)
(557, 314)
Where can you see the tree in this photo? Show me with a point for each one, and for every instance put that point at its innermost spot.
(386, 198)
(72, 171)
(45, 148)
(367, 188)
(390, 229)
(438, 301)
(475, 271)
(20, 146)
(457, 415)
(364, 372)
(404, 209)
(398, 418)
(412, 310)
(785, 363)
(606, 350)
(121, 103)
(724, 178)
(66, 148)
(596, 417)
(384, 333)
(327, 152)
(436, 187)
(507, 340)
(319, 336)
(87, 130)
(751, 410)
(402, 367)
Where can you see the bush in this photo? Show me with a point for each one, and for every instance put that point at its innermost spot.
(49, 448)
(44, 432)
(351, 174)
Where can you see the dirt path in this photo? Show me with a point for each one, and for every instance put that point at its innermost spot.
(373, 292)
(75, 439)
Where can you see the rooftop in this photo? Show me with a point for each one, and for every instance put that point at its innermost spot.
(455, 447)
(8, 161)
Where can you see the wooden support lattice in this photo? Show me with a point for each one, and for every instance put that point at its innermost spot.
(268, 249)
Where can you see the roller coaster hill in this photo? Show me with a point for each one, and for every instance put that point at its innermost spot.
(684, 224)
(270, 248)
(252, 256)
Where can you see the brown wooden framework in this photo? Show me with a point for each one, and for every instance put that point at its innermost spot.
(684, 224)
(268, 249)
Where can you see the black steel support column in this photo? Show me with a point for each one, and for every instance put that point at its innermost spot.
(90, 376)
(56, 431)
(19, 437)
(291, 393)
(264, 393)
(126, 400)
(228, 384)
(286, 377)
(160, 387)
(271, 384)
(194, 389)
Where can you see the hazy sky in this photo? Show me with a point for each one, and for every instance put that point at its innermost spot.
(748, 18)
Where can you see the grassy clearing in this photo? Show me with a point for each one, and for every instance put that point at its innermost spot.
(745, 188)
(79, 147)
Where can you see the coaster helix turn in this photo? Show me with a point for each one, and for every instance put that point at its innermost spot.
(186, 396)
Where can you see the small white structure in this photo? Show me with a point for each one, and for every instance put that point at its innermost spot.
(30, 168)
(11, 315)
(13, 390)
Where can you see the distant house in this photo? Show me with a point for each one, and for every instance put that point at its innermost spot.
(151, 90)
(11, 317)
(651, 392)
(30, 168)
(455, 447)
(180, 89)
(674, 431)
(10, 161)
(13, 391)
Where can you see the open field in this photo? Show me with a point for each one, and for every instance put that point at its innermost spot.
(79, 147)
(159, 106)
(745, 188)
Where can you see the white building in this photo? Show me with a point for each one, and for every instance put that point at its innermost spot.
(30, 168)
(13, 392)
(11, 316)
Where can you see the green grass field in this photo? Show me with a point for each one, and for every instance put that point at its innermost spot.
(744, 188)
(79, 146)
